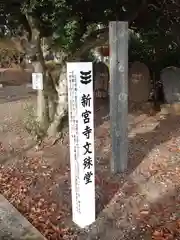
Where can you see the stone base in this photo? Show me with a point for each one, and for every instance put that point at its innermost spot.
(101, 94)
(173, 109)
(13, 226)
(145, 107)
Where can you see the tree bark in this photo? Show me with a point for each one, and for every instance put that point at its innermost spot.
(52, 94)
(52, 101)
(32, 47)
(52, 108)
(62, 104)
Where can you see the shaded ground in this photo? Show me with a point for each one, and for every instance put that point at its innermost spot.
(14, 102)
(144, 201)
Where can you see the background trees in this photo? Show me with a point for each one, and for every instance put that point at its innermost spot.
(72, 29)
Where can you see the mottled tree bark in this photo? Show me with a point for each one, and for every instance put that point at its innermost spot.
(62, 103)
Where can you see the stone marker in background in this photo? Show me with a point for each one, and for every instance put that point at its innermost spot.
(170, 77)
(37, 81)
(101, 80)
(139, 83)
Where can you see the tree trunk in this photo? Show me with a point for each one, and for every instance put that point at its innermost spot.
(52, 107)
(52, 100)
(52, 94)
(33, 49)
(62, 104)
(42, 99)
(62, 89)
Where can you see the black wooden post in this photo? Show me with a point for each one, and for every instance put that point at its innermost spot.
(118, 42)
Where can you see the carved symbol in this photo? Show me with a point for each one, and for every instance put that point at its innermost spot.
(85, 77)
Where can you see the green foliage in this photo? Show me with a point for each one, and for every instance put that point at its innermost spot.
(64, 36)
(68, 21)
(152, 49)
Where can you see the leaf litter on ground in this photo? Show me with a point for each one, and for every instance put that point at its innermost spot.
(42, 193)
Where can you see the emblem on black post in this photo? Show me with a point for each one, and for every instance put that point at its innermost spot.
(85, 77)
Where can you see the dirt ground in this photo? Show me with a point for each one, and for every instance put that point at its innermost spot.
(142, 203)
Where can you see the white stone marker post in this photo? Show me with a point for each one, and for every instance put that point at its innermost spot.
(81, 134)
